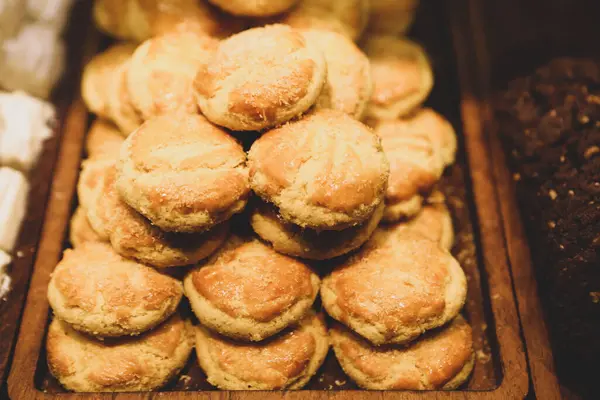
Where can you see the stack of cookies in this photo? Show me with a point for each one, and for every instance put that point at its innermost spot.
(336, 195)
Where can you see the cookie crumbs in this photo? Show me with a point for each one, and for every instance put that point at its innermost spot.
(20, 254)
(482, 356)
(562, 158)
(590, 151)
(584, 119)
(516, 177)
(551, 224)
(561, 247)
(340, 383)
(552, 193)
(571, 193)
(595, 297)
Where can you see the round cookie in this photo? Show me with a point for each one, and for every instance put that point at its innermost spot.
(254, 8)
(348, 17)
(440, 131)
(292, 240)
(183, 173)
(103, 140)
(102, 294)
(88, 188)
(402, 76)
(325, 171)
(99, 72)
(248, 291)
(120, 108)
(416, 165)
(392, 17)
(286, 361)
(260, 78)
(162, 70)
(349, 84)
(442, 359)
(80, 230)
(134, 364)
(133, 236)
(395, 288)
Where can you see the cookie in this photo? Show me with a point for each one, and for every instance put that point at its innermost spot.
(139, 364)
(183, 173)
(392, 17)
(349, 84)
(80, 230)
(254, 8)
(247, 291)
(133, 236)
(162, 70)
(416, 165)
(402, 76)
(442, 359)
(260, 78)
(292, 240)
(286, 361)
(102, 294)
(89, 187)
(120, 107)
(325, 171)
(395, 288)
(99, 73)
(103, 140)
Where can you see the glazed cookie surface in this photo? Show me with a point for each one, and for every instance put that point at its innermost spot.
(260, 78)
(325, 171)
(248, 291)
(183, 173)
(395, 288)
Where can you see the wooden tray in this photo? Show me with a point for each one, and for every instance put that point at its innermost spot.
(501, 370)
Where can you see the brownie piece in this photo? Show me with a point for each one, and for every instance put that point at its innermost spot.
(549, 123)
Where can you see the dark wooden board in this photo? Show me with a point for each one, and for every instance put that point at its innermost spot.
(501, 369)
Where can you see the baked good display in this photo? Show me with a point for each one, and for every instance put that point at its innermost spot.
(140, 363)
(183, 173)
(254, 8)
(248, 291)
(325, 171)
(441, 359)
(104, 140)
(402, 76)
(80, 230)
(100, 293)
(286, 361)
(120, 107)
(162, 69)
(395, 288)
(349, 85)
(260, 78)
(392, 17)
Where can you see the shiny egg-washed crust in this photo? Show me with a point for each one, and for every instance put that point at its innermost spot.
(254, 8)
(99, 72)
(80, 230)
(162, 71)
(260, 78)
(286, 361)
(292, 240)
(120, 108)
(88, 188)
(100, 293)
(442, 359)
(416, 165)
(391, 17)
(133, 236)
(135, 364)
(142, 19)
(103, 140)
(402, 76)
(395, 288)
(349, 84)
(348, 17)
(247, 291)
(183, 173)
(325, 171)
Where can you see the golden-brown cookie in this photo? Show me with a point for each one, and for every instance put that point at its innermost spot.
(416, 165)
(349, 84)
(441, 359)
(292, 240)
(103, 140)
(395, 288)
(120, 108)
(260, 78)
(285, 361)
(162, 70)
(325, 171)
(247, 291)
(142, 363)
(348, 17)
(440, 131)
(102, 294)
(254, 8)
(183, 173)
(99, 73)
(133, 236)
(88, 189)
(392, 17)
(80, 230)
(402, 76)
